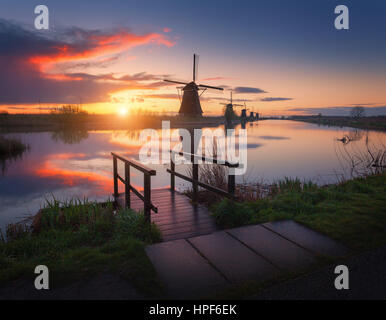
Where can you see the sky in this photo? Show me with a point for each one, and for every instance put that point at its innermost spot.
(282, 57)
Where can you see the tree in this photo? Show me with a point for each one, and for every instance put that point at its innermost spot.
(358, 112)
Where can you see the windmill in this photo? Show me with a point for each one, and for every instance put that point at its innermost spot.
(244, 112)
(190, 105)
(229, 113)
(231, 104)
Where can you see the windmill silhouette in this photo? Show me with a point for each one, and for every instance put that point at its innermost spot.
(229, 112)
(190, 105)
(230, 105)
(244, 112)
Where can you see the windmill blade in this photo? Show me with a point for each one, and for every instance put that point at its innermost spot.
(195, 66)
(210, 87)
(237, 105)
(173, 81)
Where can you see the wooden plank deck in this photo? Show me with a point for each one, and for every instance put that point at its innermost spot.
(177, 217)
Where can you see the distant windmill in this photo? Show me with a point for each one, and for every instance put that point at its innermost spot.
(190, 105)
(244, 112)
(229, 112)
(231, 104)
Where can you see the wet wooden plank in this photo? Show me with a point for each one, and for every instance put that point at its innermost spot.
(177, 217)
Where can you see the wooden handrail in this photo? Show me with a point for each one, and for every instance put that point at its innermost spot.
(135, 164)
(147, 173)
(194, 180)
(204, 158)
(202, 184)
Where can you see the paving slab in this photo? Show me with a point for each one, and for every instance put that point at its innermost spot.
(234, 260)
(281, 252)
(307, 238)
(183, 271)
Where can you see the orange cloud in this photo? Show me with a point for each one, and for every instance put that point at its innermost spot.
(97, 45)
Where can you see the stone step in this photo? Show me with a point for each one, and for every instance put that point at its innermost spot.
(307, 238)
(233, 259)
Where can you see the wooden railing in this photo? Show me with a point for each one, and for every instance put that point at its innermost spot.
(147, 173)
(230, 193)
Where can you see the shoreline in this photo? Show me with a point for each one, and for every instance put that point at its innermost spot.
(47, 122)
(377, 123)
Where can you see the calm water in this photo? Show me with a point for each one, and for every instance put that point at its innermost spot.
(78, 164)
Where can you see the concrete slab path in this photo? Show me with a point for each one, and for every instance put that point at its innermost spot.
(203, 265)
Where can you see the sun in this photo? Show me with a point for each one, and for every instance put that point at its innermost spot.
(122, 112)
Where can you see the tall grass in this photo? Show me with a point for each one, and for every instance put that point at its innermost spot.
(77, 239)
(352, 212)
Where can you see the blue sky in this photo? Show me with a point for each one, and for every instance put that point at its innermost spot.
(289, 49)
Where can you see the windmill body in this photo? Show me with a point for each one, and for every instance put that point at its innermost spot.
(190, 104)
(229, 112)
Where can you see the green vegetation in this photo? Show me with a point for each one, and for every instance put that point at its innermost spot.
(79, 239)
(352, 212)
(11, 147)
(3, 115)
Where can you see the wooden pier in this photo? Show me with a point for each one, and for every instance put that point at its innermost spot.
(177, 216)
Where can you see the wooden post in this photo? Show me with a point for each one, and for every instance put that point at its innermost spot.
(172, 169)
(147, 195)
(195, 179)
(127, 185)
(231, 184)
(115, 174)
(194, 166)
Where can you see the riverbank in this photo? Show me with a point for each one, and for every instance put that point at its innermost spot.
(78, 241)
(352, 212)
(82, 243)
(87, 122)
(370, 123)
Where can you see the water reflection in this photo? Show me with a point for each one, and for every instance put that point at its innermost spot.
(67, 164)
(70, 135)
(354, 135)
(11, 150)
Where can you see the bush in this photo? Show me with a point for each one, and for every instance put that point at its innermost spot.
(231, 214)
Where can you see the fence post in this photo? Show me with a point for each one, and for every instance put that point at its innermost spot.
(231, 183)
(172, 169)
(127, 185)
(115, 174)
(195, 179)
(147, 195)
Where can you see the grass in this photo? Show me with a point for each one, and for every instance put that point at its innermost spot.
(79, 239)
(352, 212)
